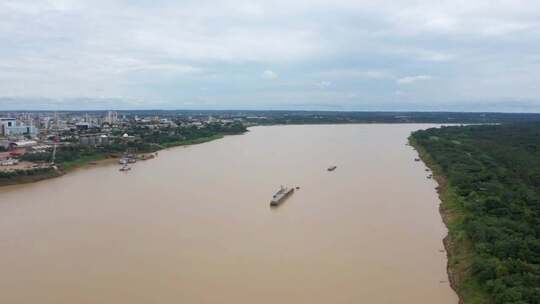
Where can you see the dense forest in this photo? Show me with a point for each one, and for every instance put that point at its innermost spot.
(491, 201)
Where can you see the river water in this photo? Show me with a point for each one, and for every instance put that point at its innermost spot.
(194, 225)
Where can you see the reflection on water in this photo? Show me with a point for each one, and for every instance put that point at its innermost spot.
(195, 226)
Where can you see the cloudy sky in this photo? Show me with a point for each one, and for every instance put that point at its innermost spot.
(335, 55)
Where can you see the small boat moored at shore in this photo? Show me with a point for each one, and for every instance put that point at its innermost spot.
(125, 168)
(146, 156)
(280, 196)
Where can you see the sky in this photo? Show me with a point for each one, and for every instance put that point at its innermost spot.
(419, 55)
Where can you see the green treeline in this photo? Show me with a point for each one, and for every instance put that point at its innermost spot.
(493, 191)
(172, 136)
(19, 173)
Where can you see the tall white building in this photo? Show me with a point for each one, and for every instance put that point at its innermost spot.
(112, 117)
(11, 127)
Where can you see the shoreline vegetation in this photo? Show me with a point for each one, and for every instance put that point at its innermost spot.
(458, 250)
(488, 185)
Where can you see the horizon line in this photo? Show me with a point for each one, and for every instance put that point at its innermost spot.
(268, 110)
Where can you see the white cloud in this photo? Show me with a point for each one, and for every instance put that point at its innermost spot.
(324, 84)
(166, 50)
(412, 79)
(358, 73)
(269, 74)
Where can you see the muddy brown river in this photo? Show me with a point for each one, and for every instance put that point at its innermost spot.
(194, 225)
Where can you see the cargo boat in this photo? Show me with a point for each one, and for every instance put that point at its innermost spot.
(280, 196)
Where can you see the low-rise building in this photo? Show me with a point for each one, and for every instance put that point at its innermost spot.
(9, 162)
(23, 144)
(94, 140)
(4, 156)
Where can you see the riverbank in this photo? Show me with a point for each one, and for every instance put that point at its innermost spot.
(98, 158)
(195, 141)
(458, 247)
(28, 176)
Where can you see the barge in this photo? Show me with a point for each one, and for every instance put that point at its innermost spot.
(280, 196)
